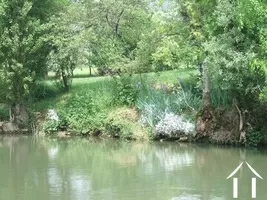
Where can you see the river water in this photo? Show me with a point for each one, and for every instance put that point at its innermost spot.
(86, 169)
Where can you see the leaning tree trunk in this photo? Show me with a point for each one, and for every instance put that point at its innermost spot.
(204, 117)
(206, 86)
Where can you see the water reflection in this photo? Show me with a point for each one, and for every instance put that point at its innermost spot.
(89, 169)
(52, 152)
(187, 197)
(54, 180)
(171, 160)
(80, 186)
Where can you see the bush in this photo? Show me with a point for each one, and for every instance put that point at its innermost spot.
(84, 109)
(125, 90)
(51, 127)
(263, 95)
(55, 123)
(252, 83)
(257, 120)
(4, 112)
(243, 84)
(43, 90)
(79, 112)
(123, 123)
(119, 129)
(255, 138)
(84, 112)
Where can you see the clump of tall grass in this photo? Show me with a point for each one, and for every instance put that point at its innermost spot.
(219, 97)
(162, 110)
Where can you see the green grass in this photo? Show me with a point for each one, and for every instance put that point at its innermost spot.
(170, 76)
(103, 85)
(92, 99)
(160, 77)
(165, 76)
(80, 72)
(84, 71)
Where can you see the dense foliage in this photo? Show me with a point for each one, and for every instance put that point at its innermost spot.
(223, 40)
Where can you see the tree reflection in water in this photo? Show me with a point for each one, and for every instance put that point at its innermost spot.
(89, 169)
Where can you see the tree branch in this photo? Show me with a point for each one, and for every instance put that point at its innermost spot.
(118, 22)
(109, 23)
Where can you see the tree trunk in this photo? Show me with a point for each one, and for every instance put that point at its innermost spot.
(203, 121)
(18, 114)
(200, 69)
(65, 81)
(206, 86)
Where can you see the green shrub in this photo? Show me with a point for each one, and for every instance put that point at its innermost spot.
(119, 130)
(84, 113)
(4, 112)
(123, 123)
(51, 127)
(255, 138)
(263, 95)
(257, 119)
(84, 109)
(244, 84)
(78, 111)
(43, 90)
(125, 90)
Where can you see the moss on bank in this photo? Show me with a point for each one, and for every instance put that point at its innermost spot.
(123, 122)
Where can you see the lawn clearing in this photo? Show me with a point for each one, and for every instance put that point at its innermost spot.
(101, 87)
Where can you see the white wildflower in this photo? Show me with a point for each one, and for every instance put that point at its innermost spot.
(52, 115)
(173, 124)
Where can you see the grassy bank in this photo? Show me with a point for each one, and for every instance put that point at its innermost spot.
(128, 107)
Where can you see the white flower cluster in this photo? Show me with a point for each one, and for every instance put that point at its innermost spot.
(173, 124)
(52, 115)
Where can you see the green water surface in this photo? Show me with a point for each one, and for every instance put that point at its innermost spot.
(87, 169)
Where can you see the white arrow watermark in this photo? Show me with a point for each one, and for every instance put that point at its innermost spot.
(253, 181)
